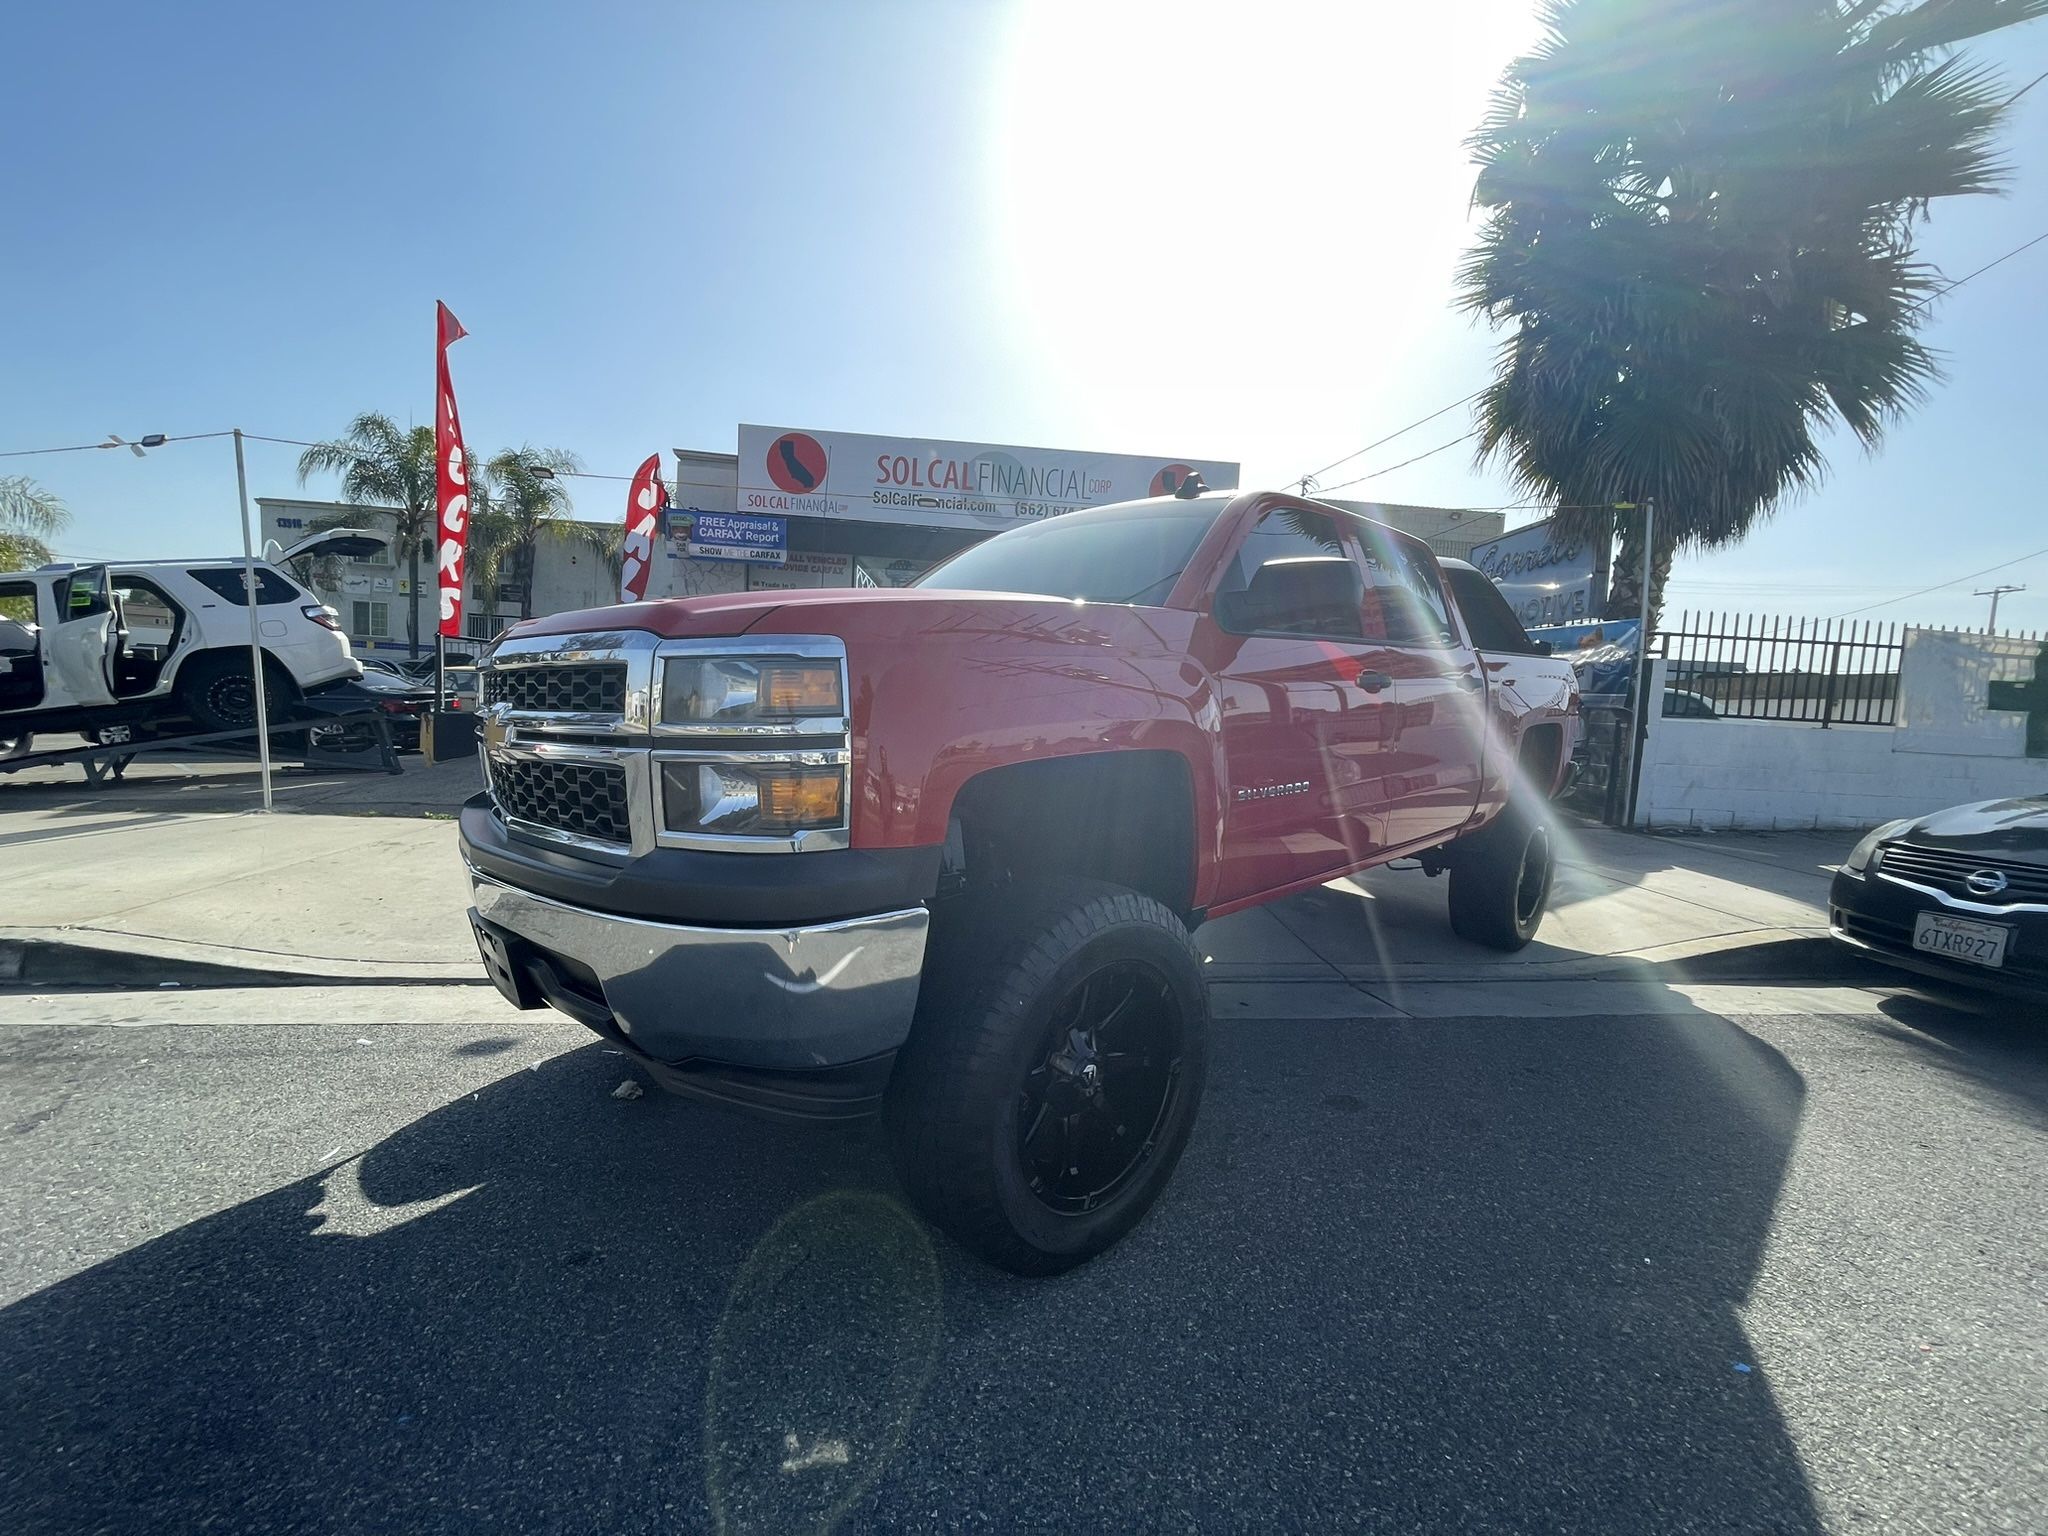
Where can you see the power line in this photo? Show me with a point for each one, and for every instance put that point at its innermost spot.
(1950, 288)
(2016, 95)
(1939, 585)
(1368, 448)
(1376, 474)
(1308, 480)
(185, 437)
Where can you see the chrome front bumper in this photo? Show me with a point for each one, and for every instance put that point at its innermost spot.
(788, 999)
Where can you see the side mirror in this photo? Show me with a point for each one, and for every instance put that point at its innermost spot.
(1541, 647)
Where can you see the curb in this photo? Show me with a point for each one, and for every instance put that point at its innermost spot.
(43, 964)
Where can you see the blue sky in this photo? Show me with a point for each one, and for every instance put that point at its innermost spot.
(1221, 231)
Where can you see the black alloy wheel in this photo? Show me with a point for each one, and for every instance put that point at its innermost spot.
(1054, 1070)
(1090, 1113)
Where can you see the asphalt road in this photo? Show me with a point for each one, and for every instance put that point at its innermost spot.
(275, 1264)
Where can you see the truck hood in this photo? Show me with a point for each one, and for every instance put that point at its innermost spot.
(835, 611)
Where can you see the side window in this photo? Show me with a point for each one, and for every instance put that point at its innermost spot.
(18, 602)
(147, 611)
(18, 626)
(83, 596)
(1410, 599)
(1489, 621)
(225, 582)
(1292, 575)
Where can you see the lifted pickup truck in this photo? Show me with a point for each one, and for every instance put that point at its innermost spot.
(936, 852)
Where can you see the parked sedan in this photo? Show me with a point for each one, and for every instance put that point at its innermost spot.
(402, 703)
(1961, 894)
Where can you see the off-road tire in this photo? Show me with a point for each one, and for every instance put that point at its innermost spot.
(999, 969)
(214, 690)
(1501, 878)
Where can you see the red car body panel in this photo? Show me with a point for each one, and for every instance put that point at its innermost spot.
(1308, 758)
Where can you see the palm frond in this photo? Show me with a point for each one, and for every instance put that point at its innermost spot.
(1698, 241)
(27, 510)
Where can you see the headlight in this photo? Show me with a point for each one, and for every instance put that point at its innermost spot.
(802, 792)
(1861, 855)
(711, 691)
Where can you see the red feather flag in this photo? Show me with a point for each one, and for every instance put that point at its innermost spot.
(644, 501)
(451, 476)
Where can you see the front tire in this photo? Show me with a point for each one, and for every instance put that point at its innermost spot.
(1054, 1071)
(1500, 881)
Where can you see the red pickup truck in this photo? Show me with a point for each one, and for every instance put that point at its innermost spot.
(936, 852)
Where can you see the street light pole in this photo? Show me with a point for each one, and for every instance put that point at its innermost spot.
(249, 590)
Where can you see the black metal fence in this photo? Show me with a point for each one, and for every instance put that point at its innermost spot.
(1747, 667)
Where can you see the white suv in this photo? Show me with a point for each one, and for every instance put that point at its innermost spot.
(104, 649)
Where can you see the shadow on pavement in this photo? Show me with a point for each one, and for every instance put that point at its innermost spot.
(1998, 1044)
(1409, 1277)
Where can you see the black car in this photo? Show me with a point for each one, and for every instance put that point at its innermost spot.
(402, 703)
(1961, 894)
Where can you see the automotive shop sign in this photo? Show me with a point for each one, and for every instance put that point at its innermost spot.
(724, 536)
(1546, 579)
(943, 484)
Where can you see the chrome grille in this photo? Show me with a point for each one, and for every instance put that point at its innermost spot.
(583, 799)
(1948, 871)
(587, 688)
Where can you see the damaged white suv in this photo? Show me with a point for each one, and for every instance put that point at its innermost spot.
(109, 649)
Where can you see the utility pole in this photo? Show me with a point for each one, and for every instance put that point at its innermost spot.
(251, 589)
(1995, 593)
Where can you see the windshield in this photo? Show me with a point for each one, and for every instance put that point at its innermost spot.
(1116, 555)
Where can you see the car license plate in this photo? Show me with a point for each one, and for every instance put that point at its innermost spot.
(1957, 938)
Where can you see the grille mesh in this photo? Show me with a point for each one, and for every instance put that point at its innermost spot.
(590, 688)
(586, 799)
(1946, 870)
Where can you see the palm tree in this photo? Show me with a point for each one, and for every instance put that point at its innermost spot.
(392, 471)
(385, 470)
(528, 502)
(1701, 243)
(28, 515)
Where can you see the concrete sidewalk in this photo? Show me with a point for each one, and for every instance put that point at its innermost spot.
(358, 898)
(344, 897)
(192, 783)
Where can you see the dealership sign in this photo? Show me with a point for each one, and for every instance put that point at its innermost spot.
(1546, 579)
(724, 536)
(980, 486)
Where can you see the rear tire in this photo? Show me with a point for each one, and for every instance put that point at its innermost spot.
(215, 691)
(1500, 881)
(1054, 1071)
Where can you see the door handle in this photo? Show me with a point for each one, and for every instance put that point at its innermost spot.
(1374, 682)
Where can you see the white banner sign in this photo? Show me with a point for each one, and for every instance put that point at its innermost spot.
(801, 570)
(944, 484)
(1546, 580)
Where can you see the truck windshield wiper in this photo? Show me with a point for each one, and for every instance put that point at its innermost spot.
(1165, 581)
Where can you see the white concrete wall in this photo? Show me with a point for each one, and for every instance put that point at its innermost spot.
(1782, 775)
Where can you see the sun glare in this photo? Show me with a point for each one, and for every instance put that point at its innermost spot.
(1205, 210)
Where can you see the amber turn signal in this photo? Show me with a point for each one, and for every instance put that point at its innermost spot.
(797, 800)
(798, 688)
